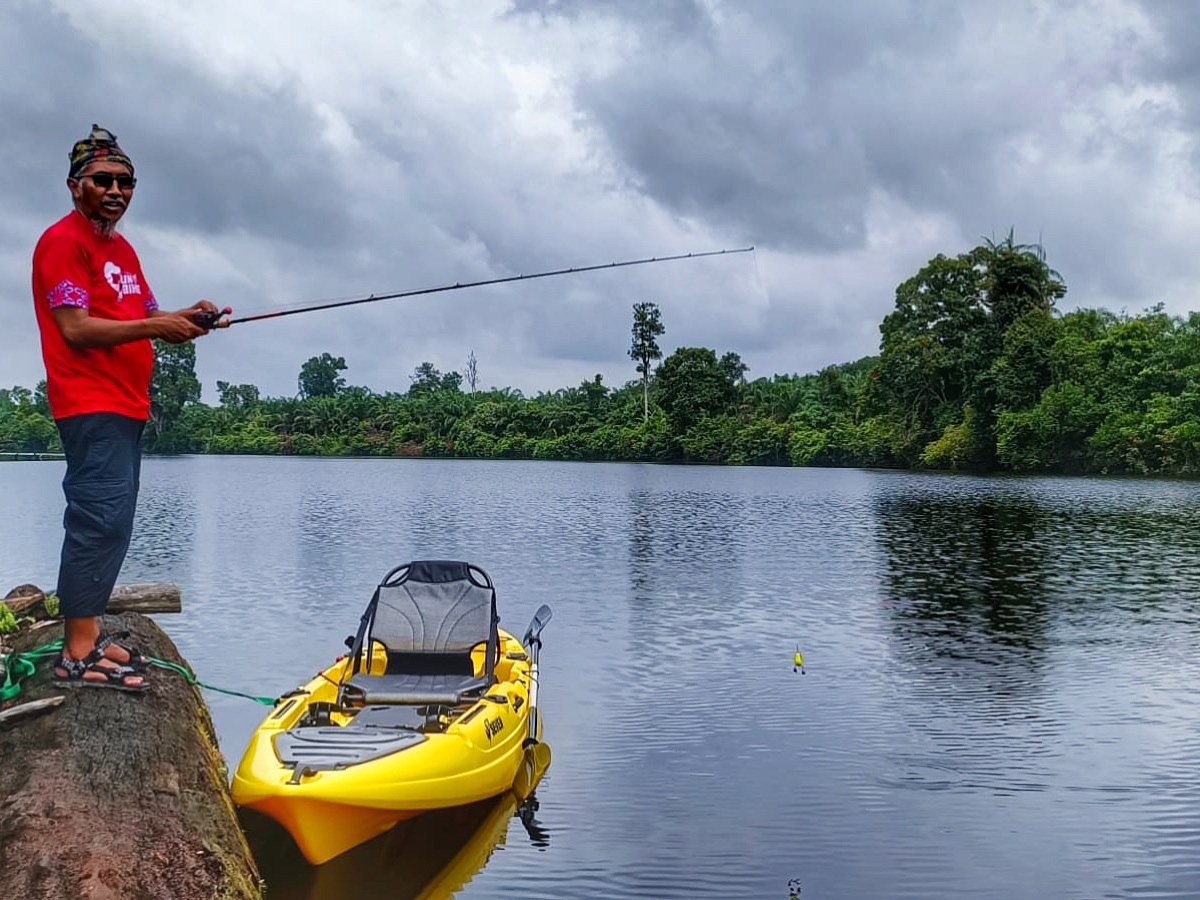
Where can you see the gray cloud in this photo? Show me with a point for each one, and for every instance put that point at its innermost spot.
(290, 160)
(231, 160)
(787, 122)
(778, 120)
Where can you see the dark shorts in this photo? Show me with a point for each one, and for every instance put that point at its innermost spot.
(104, 459)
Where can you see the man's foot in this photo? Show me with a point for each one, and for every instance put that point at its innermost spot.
(97, 671)
(122, 655)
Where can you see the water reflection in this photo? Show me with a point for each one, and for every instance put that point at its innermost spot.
(981, 566)
(962, 569)
(992, 589)
(430, 857)
(971, 552)
(684, 543)
(965, 601)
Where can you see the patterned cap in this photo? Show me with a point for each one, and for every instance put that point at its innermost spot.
(100, 145)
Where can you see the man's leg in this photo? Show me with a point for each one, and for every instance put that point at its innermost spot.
(103, 461)
(80, 634)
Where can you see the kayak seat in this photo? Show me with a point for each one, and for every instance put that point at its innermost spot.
(429, 616)
(419, 690)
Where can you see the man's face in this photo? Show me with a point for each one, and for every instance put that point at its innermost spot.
(106, 204)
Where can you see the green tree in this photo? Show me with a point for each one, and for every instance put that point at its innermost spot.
(943, 349)
(1016, 280)
(691, 384)
(594, 393)
(424, 378)
(24, 426)
(1050, 436)
(173, 384)
(955, 448)
(16, 396)
(319, 376)
(1023, 370)
(40, 399)
(1018, 286)
(733, 367)
(930, 344)
(238, 397)
(647, 328)
(760, 443)
(28, 431)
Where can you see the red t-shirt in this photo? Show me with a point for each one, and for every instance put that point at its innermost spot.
(74, 265)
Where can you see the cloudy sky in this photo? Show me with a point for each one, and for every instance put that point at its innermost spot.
(294, 152)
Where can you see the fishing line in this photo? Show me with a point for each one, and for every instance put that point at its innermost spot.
(209, 319)
(762, 284)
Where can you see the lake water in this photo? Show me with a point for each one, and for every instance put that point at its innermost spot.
(999, 700)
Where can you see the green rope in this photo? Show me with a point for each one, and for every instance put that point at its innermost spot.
(16, 670)
(192, 679)
(19, 666)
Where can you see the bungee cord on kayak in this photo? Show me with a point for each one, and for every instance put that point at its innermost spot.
(209, 318)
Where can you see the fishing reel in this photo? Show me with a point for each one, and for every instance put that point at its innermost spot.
(208, 319)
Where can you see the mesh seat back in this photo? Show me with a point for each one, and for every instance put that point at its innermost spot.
(435, 608)
(429, 616)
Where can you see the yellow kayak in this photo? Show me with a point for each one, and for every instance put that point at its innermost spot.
(435, 706)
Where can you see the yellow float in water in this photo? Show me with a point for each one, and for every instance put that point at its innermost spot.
(436, 706)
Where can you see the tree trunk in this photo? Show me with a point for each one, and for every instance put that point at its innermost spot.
(117, 795)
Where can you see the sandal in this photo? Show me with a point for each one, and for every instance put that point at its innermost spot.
(137, 660)
(114, 676)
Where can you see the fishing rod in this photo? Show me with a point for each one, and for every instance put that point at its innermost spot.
(207, 319)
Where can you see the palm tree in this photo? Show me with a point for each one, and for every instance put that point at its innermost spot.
(647, 327)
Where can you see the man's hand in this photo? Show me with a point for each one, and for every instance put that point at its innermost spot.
(178, 327)
(203, 314)
(206, 314)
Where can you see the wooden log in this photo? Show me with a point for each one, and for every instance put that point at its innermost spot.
(25, 600)
(32, 708)
(151, 597)
(118, 795)
(148, 597)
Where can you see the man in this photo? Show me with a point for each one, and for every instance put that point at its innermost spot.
(96, 316)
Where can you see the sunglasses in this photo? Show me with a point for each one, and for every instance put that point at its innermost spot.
(104, 180)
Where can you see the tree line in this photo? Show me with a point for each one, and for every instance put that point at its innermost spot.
(977, 370)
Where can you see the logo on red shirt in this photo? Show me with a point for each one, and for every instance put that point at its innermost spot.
(126, 284)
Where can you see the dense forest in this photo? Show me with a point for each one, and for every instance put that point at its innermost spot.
(976, 370)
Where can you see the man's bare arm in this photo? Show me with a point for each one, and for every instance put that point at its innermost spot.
(82, 331)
